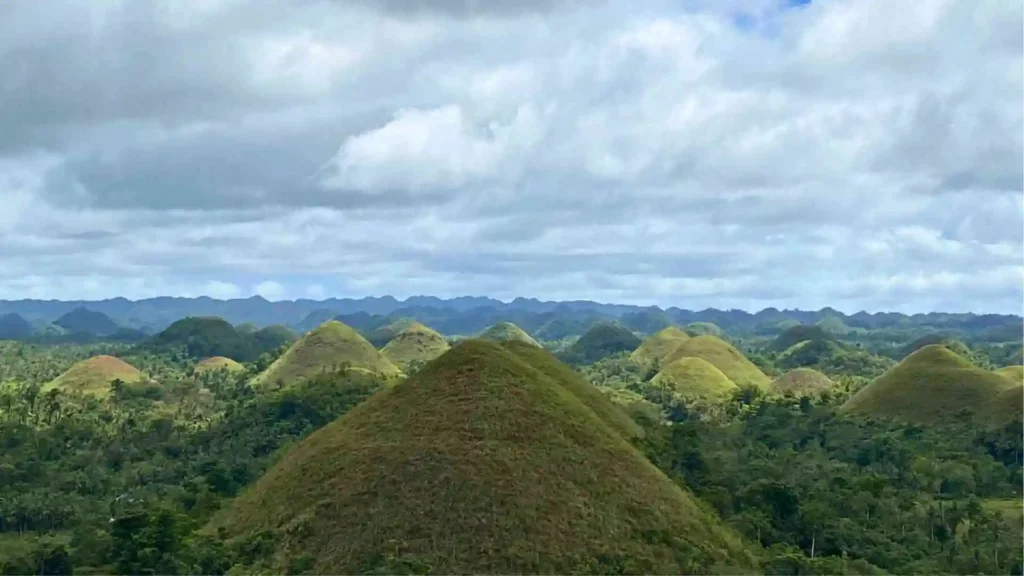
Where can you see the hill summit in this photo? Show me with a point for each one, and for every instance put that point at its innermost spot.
(477, 464)
(803, 381)
(931, 385)
(506, 331)
(695, 379)
(601, 340)
(658, 346)
(327, 347)
(723, 356)
(417, 344)
(94, 376)
(83, 320)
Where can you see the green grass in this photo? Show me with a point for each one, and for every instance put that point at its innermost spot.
(544, 362)
(507, 331)
(480, 463)
(94, 375)
(415, 344)
(658, 346)
(802, 381)
(695, 379)
(930, 386)
(323, 349)
(1013, 373)
(1004, 407)
(218, 363)
(601, 340)
(723, 356)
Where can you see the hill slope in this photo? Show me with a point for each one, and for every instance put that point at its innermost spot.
(600, 341)
(695, 379)
(507, 331)
(658, 346)
(478, 464)
(324, 348)
(83, 320)
(94, 375)
(203, 337)
(415, 344)
(930, 386)
(723, 356)
(13, 326)
(217, 363)
(802, 381)
(1003, 408)
(1013, 373)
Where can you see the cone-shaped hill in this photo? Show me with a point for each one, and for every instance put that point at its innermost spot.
(94, 375)
(477, 464)
(325, 348)
(601, 340)
(1004, 407)
(658, 346)
(695, 379)
(505, 332)
(416, 344)
(931, 385)
(546, 363)
(802, 381)
(1013, 373)
(215, 363)
(723, 356)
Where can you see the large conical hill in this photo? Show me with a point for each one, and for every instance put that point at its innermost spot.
(507, 331)
(931, 385)
(658, 346)
(802, 381)
(477, 464)
(94, 375)
(417, 344)
(326, 348)
(695, 379)
(723, 356)
(601, 340)
(214, 363)
(546, 363)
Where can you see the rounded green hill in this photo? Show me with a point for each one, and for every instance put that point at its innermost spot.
(326, 348)
(477, 464)
(932, 385)
(702, 328)
(695, 379)
(505, 332)
(601, 340)
(1014, 374)
(215, 363)
(93, 376)
(802, 381)
(723, 356)
(658, 346)
(416, 344)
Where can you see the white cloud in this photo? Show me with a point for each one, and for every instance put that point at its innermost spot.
(224, 290)
(270, 290)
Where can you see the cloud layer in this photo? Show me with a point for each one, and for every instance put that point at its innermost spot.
(861, 155)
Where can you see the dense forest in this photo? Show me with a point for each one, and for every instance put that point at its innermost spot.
(127, 456)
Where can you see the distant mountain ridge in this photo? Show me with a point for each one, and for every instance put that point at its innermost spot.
(472, 313)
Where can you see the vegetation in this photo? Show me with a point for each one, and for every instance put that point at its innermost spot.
(797, 334)
(218, 363)
(703, 328)
(1014, 373)
(695, 379)
(479, 463)
(803, 381)
(656, 348)
(414, 347)
(206, 337)
(96, 376)
(600, 341)
(507, 331)
(723, 356)
(331, 347)
(932, 385)
(87, 321)
(13, 327)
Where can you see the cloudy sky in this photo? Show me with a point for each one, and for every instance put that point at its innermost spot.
(732, 153)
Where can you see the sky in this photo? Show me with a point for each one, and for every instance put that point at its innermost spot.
(864, 155)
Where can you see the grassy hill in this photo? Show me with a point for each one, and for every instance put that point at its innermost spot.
(417, 344)
(382, 335)
(273, 337)
(1014, 373)
(218, 363)
(505, 332)
(802, 381)
(94, 375)
(1004, 407)
(203, 337)
(695, 379)
(478, 464)
(600, 341)
(323, 349)
(702, 328)
(723, 356)
(930, 386)
(543, 361)
(658, 346)
(797, 334)
(83, 320)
